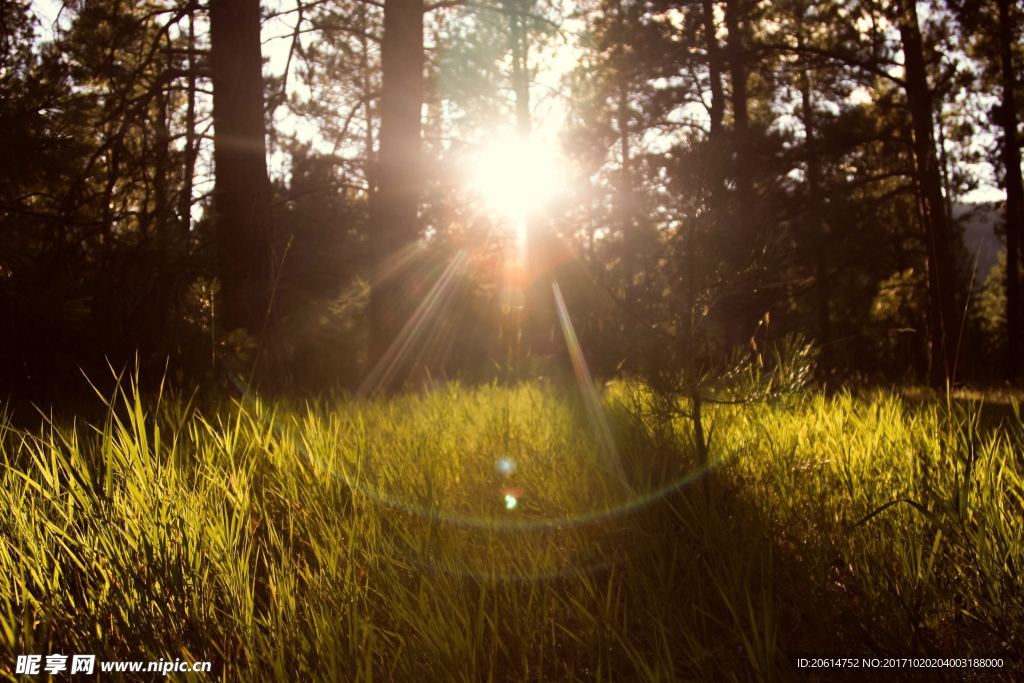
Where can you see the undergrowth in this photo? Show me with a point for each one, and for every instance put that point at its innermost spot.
(474, 534)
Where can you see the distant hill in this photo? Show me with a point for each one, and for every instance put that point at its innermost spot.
(979, 222)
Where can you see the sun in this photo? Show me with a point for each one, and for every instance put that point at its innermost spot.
(515, 177)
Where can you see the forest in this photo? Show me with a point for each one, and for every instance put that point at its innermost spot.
(597, 340)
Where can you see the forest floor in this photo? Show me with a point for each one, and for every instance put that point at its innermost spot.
(472, 534)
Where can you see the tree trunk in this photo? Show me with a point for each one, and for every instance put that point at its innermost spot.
(162, 177)
(241, 195)
(185, 198)
(623, 207)
(817, 228)
(735, 20)
(943, 322)
(716, 194)
(717, 112)
(741, 230)
(717, 216)
(394, 206)
(1014, 195)
(364, 67)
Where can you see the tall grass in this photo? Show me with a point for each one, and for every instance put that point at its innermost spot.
(357, 540)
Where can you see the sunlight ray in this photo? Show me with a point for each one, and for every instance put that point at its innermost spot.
(396, 263)
(434, 301)
(591, 401)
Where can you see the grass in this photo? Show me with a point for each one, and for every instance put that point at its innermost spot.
(357, 540)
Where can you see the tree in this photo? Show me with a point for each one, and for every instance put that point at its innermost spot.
(394, 205)
(990, 32)
(241, 201)
(96, 187)
(943, 321)
(1014, 188)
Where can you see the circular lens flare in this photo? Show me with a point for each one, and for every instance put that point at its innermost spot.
(505, 466)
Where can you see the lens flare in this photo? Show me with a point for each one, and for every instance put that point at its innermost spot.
(428, 310)
(515, 177)
(591, 401)
(505, 466)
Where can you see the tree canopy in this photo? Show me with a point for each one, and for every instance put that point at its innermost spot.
(370, 195)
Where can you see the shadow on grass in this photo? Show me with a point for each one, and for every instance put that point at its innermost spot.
(252, 541)
(718, 589)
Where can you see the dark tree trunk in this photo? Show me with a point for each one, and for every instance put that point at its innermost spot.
(364, 67)
(624, 193)
(716, 112)
(1014, 194)
(394, 206)
(742, 307)
(241, 195)
(162, 177)
(185, 199)
(943, 322)
(716, 197)
(817, 228)
(735, 21)
(714, 57)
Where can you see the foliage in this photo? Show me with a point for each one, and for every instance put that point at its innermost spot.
(744, 158)
(991, 307)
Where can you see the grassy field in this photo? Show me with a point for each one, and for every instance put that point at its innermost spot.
(474, 534)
